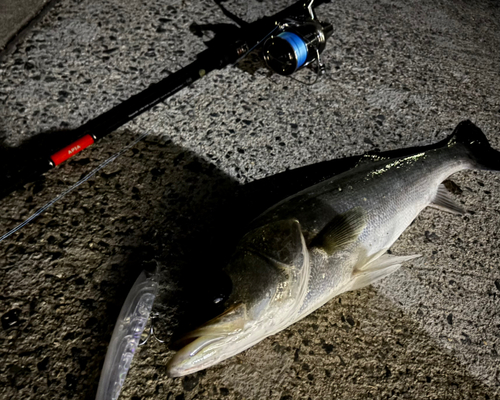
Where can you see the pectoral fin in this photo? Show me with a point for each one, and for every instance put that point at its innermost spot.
(377, 269)
(445, 202)
(342, 230)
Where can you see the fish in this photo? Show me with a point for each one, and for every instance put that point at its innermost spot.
(328, 239)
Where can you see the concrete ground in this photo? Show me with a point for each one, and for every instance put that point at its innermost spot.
(399, 74)
(15, 16)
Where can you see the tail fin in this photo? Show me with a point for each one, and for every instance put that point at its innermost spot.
(477, 145)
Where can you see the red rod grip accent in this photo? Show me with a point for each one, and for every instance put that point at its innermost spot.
(72, 149)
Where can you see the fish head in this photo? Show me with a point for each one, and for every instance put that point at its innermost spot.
(269, 273)
(211, 343)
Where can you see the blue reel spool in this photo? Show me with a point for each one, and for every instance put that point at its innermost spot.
(285, 53)
(298, 46)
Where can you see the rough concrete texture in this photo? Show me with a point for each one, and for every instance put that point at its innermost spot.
(399, 74)
(14, 15)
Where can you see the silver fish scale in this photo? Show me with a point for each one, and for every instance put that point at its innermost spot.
(326, 277)
(328, 239)
(391, 192)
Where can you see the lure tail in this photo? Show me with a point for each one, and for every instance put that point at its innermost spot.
(477, 146)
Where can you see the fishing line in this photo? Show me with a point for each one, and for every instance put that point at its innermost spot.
(256, 45)
(320, 71)
(300, 41)
(73, 187)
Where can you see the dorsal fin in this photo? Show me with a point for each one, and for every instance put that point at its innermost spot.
(341, 231)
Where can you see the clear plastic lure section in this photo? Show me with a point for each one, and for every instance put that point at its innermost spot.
(128, 330)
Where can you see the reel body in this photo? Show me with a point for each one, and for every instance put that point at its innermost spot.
(299, 42)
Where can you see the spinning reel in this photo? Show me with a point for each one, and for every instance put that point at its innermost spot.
(299, 42)
(289, 40)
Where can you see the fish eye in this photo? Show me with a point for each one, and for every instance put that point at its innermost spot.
(223, 286)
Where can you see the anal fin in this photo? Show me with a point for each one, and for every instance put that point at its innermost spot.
(445, 202)
(377, 269)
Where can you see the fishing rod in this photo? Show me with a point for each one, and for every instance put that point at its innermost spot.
(288, 41)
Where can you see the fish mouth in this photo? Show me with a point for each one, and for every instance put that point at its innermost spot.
(205, 346)
(195, 356)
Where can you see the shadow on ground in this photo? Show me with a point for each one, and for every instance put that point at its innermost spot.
(358, 346)
(160, 203)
